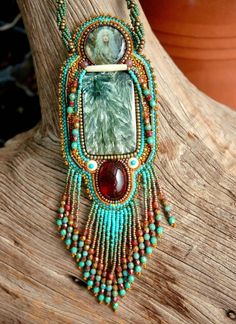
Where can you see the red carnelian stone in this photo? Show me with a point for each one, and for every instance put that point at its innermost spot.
(113, 180)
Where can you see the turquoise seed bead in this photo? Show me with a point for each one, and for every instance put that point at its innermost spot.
(85, 253)
(138, 269)
(149, 250)
(70, 110)
(81, 264)
(153, 240)
(93, 271)
(115, 306)
(131, 279)
(152, 227)
(171, 220)
(99, 278)
(120, 281)
(136, 256)
(150, 140)
(107, 300)
(168, 208)
(103, 286)
(86, 274)
(65, 220)
(75, 132)
(61, 210)
(143, 259)
(72, 96)
(141, 246)
(88, 263)
(81, 243)
(148, 127)
(127, 285)
(146, 92)
(109, 288)
(74, 145)
(74, 250)
(130, 265)
(160, 230)
(70, 229)
(75, 237)
(68, 241)
(122, 292)
(153, 103)
(125, 273)
(96, 290)
(90, 283)
(59, 222)
(78, 256)
(63, 232)
(115, 293)
(101, 298)
(146, 237)
(159, 217)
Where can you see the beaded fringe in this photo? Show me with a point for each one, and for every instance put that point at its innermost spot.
(114, 244)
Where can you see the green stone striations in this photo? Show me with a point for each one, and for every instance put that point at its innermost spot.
(109, 113)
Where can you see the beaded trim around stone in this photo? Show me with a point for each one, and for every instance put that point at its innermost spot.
(109, 134)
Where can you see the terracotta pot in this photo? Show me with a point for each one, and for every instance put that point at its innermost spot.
(200, 36)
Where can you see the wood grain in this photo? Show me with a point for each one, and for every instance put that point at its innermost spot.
(191, 277)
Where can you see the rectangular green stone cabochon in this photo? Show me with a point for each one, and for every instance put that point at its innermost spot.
(109, 113)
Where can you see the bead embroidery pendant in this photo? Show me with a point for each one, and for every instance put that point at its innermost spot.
(109, 127)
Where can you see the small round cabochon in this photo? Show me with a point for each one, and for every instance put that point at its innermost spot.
(105, 45)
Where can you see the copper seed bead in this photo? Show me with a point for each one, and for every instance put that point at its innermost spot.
(91, 251)
(155, 205)
(119, 269)
(139, 232)
(145, 223)
(110, 276)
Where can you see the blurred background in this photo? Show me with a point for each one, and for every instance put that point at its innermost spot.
(19, 103)
(199, 35)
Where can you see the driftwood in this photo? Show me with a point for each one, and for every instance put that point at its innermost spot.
(191, 277)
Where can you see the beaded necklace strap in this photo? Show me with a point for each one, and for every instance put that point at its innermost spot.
(137, 30)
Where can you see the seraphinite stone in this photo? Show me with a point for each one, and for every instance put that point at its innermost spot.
(109, 113)
(105, 45)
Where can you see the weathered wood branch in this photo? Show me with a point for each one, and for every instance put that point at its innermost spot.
(191, 278)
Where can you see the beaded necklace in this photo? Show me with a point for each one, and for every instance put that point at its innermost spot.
(109, 136)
